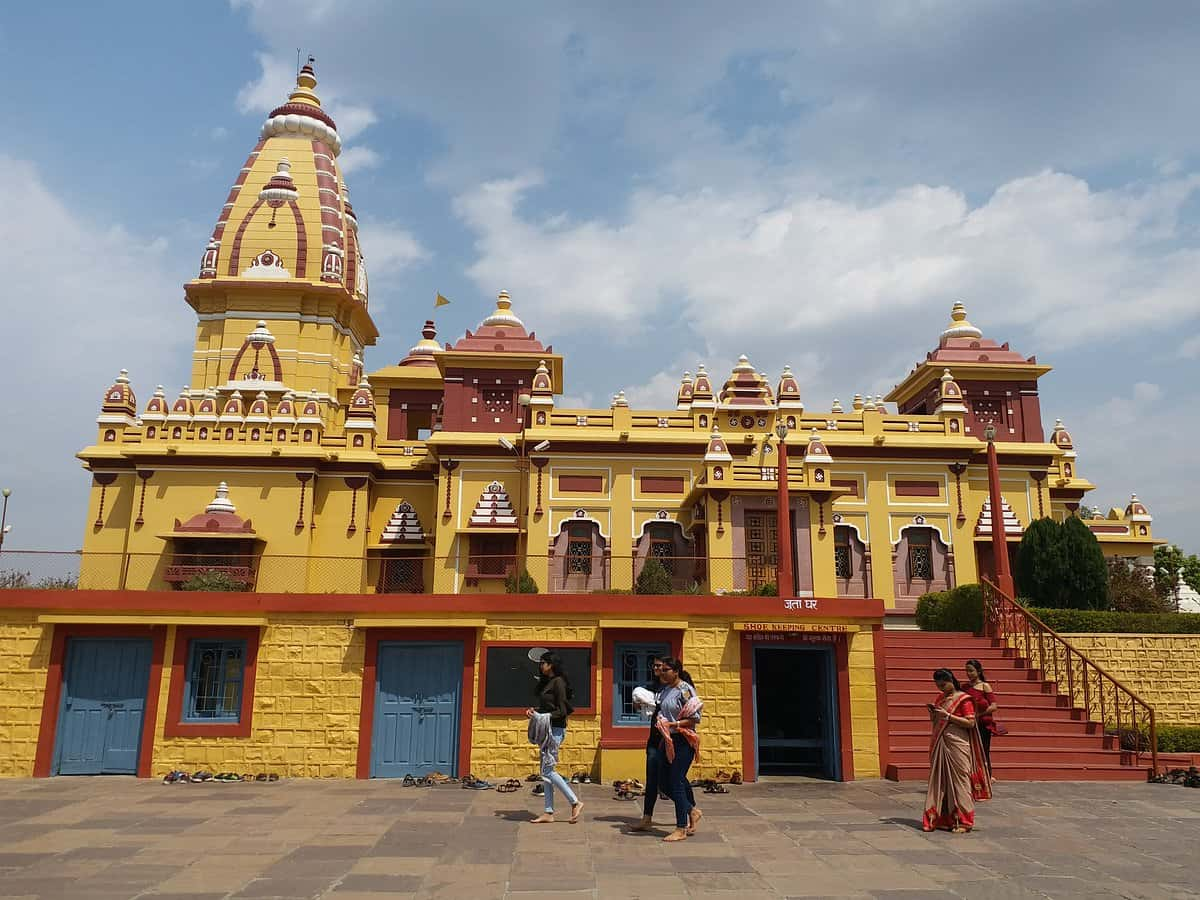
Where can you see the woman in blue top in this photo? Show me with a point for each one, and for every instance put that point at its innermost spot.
(676, 691)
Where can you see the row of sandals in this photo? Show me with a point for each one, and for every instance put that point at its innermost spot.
(632, 788)
(180, 777)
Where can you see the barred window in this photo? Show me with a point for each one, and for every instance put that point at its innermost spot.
(579, 550)
(632, 669)
(842, 562)
(920, 555)
(213, 692)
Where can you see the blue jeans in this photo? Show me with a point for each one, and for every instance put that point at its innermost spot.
(677, 781)
(659, 773)
(550, 778)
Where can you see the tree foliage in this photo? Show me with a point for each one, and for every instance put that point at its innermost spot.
(520, 584)
(11, 579)
(1172, 566)
(1086, 571)
(1131, 589)
(654, 578)
(213, 580)
(1041, 567)
(1062, 566)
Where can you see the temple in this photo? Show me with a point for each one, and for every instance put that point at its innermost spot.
(307, 540)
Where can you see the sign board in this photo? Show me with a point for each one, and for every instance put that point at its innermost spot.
(795, 627)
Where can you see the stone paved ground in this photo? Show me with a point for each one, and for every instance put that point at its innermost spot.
(106, 838)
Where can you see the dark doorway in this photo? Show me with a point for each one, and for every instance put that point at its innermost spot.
(795, 711)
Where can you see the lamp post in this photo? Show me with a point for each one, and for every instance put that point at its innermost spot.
(785, 581)
(4, 528)
(1004, 579)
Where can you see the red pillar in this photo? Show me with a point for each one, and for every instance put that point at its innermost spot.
(1004, 579)
(783, 527)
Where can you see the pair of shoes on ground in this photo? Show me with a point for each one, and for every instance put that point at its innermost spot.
(509, 786)
(581, 778)
(471, 783)
(200, 777)
(628, 789)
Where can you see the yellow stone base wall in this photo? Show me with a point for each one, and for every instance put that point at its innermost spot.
(306, 707)
(308, 696)
(1156, 667)
(24, 658)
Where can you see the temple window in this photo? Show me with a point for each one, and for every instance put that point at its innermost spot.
(176, 433)
(920, 555)
(358, 440)
(204, 434)
(255, 434)
(281, 436)
(401, 573)
(110, 435)
(229, 434)
(151, 431)
(577, 560)
(841, 552)
(492, 555)
(307, 435)
(631, 669)
(851, 563)
(579, 550)
(213, 691)
(921, 562)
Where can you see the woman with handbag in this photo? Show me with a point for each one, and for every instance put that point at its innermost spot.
(984, 698)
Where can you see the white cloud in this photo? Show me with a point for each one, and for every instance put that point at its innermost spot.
(390, 248)
(1190, 348)
(1045, 252)
(1133, 443)
(277, 78)
(85, 298)
(219, 133)
(356, 158)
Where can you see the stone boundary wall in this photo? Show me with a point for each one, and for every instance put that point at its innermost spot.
(1160, 668)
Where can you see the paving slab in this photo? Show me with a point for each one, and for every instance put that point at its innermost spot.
(123, 839)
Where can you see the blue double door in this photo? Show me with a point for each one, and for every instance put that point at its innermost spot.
(418, 695)
(103, 706)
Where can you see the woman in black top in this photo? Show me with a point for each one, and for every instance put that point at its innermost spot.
(554, 697)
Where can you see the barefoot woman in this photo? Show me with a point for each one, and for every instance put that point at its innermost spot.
(957, 775)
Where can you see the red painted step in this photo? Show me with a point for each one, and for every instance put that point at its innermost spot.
(1048, 739)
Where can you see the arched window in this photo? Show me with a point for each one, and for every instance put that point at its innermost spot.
(176, 433)
(281, 436)
(307, 435)
(851, 563)
(921, 563)
(151, 431)
(110, 435)
(204, 434)
(229, 434)
(255, 434)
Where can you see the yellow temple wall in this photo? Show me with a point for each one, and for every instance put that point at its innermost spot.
(24, 659)
(308, 689)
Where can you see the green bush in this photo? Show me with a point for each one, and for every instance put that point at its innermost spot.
(1178, 738)
(11, 580)
(960, 609)
(1171, 738)
(1062, 566)
(213, 580)
(1108, 622)
(520, 584)
(653, 579)
(1087, 571)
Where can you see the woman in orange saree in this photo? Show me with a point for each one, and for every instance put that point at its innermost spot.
(957, 773)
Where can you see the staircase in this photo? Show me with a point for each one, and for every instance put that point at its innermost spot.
(1048, 738)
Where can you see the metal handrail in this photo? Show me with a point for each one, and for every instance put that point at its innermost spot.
(1089, 686)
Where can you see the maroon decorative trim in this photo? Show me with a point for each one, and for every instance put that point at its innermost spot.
(301, 241)
(303, 109)
(355, 484)
(145, 475)
(104, 479)
(235, 252)
(719, 496)
(581, 484)
(654, 484)
(1039, 477)
(303, 478)
(958, 469)
(276, 365)
(449, 465)
(539, 463)
(918, 489)
(822, 497)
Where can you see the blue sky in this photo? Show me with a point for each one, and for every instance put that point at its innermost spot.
(811, 184)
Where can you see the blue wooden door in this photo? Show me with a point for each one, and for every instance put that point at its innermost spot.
(104, 700)
(417, 696)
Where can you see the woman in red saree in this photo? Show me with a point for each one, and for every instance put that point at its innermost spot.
(957, 773)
